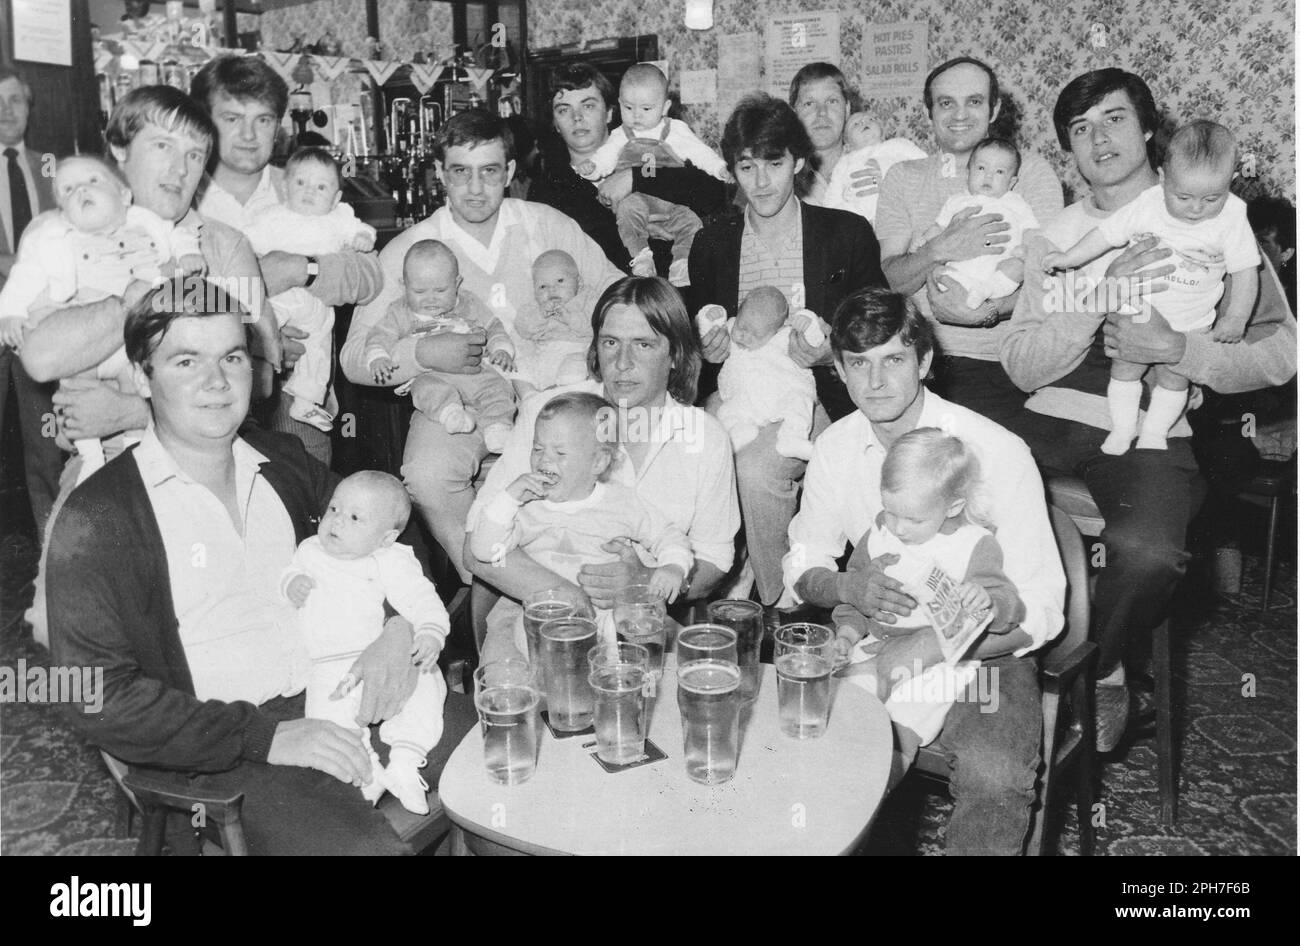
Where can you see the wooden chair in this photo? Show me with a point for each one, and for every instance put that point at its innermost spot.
(1066, 668)
(153, 797)
(1070, 494)
(1273, 484)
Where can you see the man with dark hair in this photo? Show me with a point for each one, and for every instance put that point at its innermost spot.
(495, 239)
(883, 348)
(815, 257)
(203, 667)
(1273, 220)
(961, 96)
(24, 192)
(1053, 349)
(247, 100)
(582, 108)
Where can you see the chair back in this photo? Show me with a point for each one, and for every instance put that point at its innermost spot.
(1074, 559)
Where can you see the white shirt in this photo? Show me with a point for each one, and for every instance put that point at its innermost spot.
(841, 498)
(6, 209)
(500, 273)
(240, 639)
(687, 475)
(219, 204)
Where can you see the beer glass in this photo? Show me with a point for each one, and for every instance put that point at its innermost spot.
(639, 615)
(706, 642)
(746, 619)
(708, 696)
(506, 696)
(619, 675)
(805, 657)
(565, 644)
(548, 605)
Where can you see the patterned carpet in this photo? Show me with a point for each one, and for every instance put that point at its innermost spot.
(1237, 787)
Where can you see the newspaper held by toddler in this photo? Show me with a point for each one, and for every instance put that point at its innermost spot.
(938, 596)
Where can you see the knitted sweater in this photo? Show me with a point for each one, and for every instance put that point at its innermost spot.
(110, 607)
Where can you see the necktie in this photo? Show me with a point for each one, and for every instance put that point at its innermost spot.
(22, 207)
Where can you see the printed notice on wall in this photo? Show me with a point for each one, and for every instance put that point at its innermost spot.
(737, 70)
(895, 58)
(699, 86)
(43, 31)
(794, 41)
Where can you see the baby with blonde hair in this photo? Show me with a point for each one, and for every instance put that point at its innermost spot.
(931, 521)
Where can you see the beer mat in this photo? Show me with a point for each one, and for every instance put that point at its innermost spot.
(546, 718)
(652, 754)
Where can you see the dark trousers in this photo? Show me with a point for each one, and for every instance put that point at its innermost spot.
(980, 386)
(42, 459)
(993, 752)
(1148, 498)
(293, 810)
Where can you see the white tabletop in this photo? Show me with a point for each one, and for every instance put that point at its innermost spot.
(789, 796)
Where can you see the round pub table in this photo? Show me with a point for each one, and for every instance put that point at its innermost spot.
(789, 796)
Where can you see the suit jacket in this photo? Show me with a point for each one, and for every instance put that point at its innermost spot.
(840, 256)
(44, 197)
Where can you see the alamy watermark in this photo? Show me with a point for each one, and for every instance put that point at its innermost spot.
(1076, 292)
(83, 686)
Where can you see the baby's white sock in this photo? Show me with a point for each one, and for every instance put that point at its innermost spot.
(1163, 412)
(1124, 399)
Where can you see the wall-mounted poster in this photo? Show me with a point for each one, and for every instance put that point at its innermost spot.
(895, 58)
(795, 40)
(43, 31)
(699, 86)
(737, 70)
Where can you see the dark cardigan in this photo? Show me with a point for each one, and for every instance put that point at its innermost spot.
(110, 606)
(840, 256)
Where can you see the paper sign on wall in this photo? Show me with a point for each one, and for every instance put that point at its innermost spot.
(43, 31)
(737, 70)
(794, 41)
(699, 86)
(895, 58)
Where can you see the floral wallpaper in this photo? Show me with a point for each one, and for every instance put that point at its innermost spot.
(1202, 58)
(405, 26)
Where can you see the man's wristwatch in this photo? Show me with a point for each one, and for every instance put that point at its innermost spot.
(313, 270)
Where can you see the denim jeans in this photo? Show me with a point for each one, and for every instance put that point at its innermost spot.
(768, 486)
(994, 760)
(439, 470)
(1148, 498)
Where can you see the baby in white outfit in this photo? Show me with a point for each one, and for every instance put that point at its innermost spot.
(311, 222)
(339, 579)
(990, 176)
(759, 384)
(93, 247)
(555, 329)
(864, 142)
